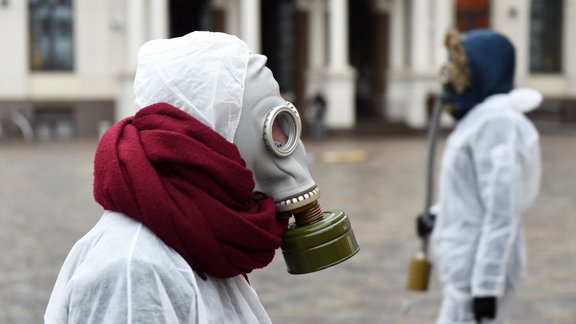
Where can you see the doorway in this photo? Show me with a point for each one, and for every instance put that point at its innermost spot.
(368, 48)
(191, 15)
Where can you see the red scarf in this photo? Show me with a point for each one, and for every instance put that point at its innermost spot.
(191, 187)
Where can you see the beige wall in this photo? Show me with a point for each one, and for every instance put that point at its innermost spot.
(13, 62)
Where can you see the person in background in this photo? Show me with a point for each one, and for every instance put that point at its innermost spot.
(316, 113)
(490, 177)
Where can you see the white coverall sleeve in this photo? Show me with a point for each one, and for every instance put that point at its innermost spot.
(136, 292)
(498, 173)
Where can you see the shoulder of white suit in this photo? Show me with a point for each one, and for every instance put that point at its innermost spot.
(525, 99)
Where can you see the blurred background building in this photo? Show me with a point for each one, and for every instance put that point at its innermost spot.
(66, 66)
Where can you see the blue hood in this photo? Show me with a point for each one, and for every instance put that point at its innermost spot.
(491, 58)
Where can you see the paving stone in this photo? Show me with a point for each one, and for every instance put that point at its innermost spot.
(46, 205)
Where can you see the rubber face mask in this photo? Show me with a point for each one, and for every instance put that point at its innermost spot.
(268, 138)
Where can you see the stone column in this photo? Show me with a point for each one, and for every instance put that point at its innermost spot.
(250, 24)
(422, 80)
(420, 36)
(339, 85)
(135, 34)
(316, 45)
(396, 88)
(158, 14)
(443, 19)
(338, 33)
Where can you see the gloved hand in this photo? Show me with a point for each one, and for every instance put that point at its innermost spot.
(484, 308)
(425, 224)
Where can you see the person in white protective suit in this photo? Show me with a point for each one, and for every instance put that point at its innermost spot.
(187, 186)
(490, 177)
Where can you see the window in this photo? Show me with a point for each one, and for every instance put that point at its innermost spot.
(51, 35)
(472, 14)
(546, 35)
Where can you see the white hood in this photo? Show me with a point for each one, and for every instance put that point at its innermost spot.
(202, 73)
(525, 99)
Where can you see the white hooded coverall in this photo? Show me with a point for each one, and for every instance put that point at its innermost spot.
(120, 272)
(490, 176)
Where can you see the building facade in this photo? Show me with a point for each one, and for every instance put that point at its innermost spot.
(538, 29)
(67, 65)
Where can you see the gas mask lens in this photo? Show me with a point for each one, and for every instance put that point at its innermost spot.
(282, 130)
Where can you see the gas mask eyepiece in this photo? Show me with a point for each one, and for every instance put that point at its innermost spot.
(282, 130)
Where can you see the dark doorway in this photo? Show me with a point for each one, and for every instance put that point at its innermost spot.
(368, 41)
(285, 42)
(190, 15)
(278, 41)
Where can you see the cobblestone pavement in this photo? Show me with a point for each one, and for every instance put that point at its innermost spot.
(46, 205)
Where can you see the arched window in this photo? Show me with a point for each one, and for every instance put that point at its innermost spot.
(51, 35)
(546, 34)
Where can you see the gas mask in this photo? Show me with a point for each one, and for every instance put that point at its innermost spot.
(268, 138)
